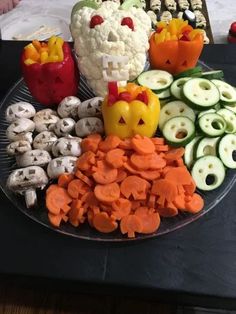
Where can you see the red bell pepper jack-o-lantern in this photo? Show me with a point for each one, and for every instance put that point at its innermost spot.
(177, 52)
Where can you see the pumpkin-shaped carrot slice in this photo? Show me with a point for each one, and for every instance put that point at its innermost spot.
(135, 186)
(111, 142)
(56, 199)
(115, 157)
(103, 223)
(131, 224)
(121, 208)
(150, 219)
(104, 173)
(107, 193)
(91, 142)
(142, 145)
(85, 161)
(149, 161)
(64, 179)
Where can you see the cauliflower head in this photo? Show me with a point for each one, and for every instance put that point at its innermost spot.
(111, 43)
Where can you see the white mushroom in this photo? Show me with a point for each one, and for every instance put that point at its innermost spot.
(90, 108)
(45, 120)
(18, 129)
(88, 126)
(64, 126)
(44, 140)
(25, 181)
(67, 146)
(35, 157)
(18, 147)
(61, 165)
(19, 110)
(68, 107)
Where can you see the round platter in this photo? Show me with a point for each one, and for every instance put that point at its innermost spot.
(19, 92)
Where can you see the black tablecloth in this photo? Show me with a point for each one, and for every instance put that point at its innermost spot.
(194, 265)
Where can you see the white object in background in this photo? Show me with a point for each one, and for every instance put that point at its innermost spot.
(39, 27)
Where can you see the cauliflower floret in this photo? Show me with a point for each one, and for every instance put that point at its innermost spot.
(113, 39)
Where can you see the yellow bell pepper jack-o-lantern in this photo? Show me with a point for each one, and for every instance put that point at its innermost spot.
(175, 47)
(130, 110)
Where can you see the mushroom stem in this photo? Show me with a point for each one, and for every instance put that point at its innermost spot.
(30, 198)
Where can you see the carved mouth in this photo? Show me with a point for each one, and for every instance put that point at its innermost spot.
(115, 68)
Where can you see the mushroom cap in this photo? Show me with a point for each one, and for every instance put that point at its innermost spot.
(19, 110)
(35, 157)
(64, 126)
(88, 126)
(19, 128)
(61, 165)
(67, 146)
(23, 179)
(90, 108)
(18, 147)
(45, 120)
(44, 140)
(68, 107)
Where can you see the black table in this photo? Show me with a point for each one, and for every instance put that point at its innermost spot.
(194, 265)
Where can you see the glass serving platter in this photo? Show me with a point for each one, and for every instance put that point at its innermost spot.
(19, 92)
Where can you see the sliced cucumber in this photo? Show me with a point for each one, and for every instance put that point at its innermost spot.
(208, 172)
(212, 124)
(230, 119)
(231, 107)
(156, 80)
(173, 109)
(213, 75)
(84, 3)
(189, 151)
(128, 4)
(194, 72)
(165, 94)
(177, 85)
(205, 111)
(227, 150)
(200, 94)
(206, 146)
(178, 131)
(227, 92)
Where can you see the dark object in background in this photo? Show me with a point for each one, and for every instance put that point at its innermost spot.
(232, 34)
(190, 17)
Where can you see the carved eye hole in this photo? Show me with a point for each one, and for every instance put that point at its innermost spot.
(128, 22)
(122, 121)
(168, 61)
(96, 20)
(141, 122)
(185, 63)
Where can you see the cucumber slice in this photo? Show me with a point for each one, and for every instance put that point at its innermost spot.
(205, 111)
(200, 94)
(208, 172)
(176, 87)
(227, 92)
(213, 75)
(189, 151)
(128, 4)
(206, 146)
(156, 80)
(178, 131)
(165, 94)
(231, 107)
(173, 109)
(194, 72)
(84, 3)
(230, 119)
(212, 124)
(227, 150)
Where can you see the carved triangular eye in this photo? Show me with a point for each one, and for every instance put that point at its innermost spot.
(185, 63)
(58, 80)
(89, 106)
(122, 121)
(168, 62)
(141, 122)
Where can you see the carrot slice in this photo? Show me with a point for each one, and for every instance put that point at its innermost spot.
(121, 207)
(179, 175)
(131, 224)
(135, 204)
(152, 201)
(165, 189)
(103, 223)
(51, 187)
(161, 148)
(77, 187)
(100, 155)
(149, 161)
(56, 199)
(190, 188)
(111, 142)
(179, 202)
(107, 193)
(55, 220)
(85, 161)
(130, 168)
(125, 144)
(150, 174)
(142, 145)
(195, 205)
(84, 178)
(104, 173)
(150, 219)
(121, 176)
(88, 200)
(167, 211)
(135, 186)
(174, 153)
(64, 179)
(158, 140)
(91, 142)
(115, 158)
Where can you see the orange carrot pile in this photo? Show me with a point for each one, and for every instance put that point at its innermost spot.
(127, 184)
